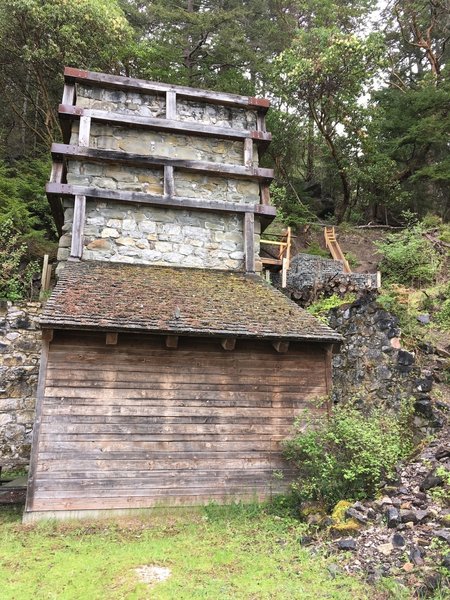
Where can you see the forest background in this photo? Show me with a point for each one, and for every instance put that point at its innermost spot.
(360, 95)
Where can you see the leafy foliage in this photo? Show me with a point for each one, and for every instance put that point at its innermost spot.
(16, 274)
(348, 455)
(409, 258)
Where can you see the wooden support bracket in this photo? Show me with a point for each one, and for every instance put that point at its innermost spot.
(228, 343)
(281, 346)
(111, 339)
(172, 341)
(47, 335)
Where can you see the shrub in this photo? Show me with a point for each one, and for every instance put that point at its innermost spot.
(320, 308)
(16, 275)
(349, 454)
(408, 258)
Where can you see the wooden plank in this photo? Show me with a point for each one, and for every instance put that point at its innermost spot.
(171, 104)
(57, 173)
(150, 87)
(36, 426)
(111, 339)
(248, 152)
(264, 193)
(71, 151)
(169, 182)
(249, 242)
(84, 132)
(68, 113)
(68, 96)
(64, 189)
(79, 211)
(44, 274)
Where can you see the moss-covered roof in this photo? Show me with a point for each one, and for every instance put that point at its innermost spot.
(123, 297)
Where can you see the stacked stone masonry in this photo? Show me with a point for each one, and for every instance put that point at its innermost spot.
(121, 233)
(20, 347)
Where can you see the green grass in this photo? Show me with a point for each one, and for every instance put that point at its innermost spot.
(214, 553)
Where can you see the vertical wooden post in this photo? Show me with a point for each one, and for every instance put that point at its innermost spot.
(328, 375)
(169, 182)
(260, 121)
(84, 131)
(68, 94)
(264, 193)
(249, 241)
(171, 105)
(57, 172)
(45, 279)
(79, 211)
(248, 152)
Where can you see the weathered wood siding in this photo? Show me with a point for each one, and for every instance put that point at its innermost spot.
(137, 424)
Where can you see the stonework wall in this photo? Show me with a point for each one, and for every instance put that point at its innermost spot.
(124, 233)
(372, 367)
(20, 346)
(147, 235)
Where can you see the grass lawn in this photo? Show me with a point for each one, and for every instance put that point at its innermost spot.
(212, 552)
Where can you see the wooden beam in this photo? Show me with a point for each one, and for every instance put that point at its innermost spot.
(228, 343)
(171, 105)
(69, 190)
(249, 242)
(68, 113)
(111, 339)
(150, 87)
(56, 175)
(72, 151)
(68, 96)
(169, 182)
(264, 193)
(47, 335)
(79, 211)
(281, 346)
(84, 131)
(248, 152)
(172, 341)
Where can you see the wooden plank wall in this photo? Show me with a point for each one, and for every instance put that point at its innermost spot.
(138, 424)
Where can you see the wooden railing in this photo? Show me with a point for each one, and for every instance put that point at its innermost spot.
(334, 248)
(283, 258)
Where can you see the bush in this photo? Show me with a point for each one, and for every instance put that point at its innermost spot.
(16, 274)
(349, 454)
(408, 258)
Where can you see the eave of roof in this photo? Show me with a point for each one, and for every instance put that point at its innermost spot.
(167, 300)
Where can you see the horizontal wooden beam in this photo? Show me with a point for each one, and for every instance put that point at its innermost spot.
(160, 124)
(228, 343)
(71, 151)
(104, 80)
(65, 189)
(111, 339)
(281, 346)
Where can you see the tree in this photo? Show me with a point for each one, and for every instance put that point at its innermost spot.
(37, 39)
(324, 74)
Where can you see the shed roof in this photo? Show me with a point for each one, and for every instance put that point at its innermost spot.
(154, 299)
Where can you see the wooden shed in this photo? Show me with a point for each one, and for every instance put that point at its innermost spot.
(159, 384)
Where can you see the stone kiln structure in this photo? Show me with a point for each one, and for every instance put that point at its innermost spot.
(170, 369)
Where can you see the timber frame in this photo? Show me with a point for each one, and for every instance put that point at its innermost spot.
(256, 140)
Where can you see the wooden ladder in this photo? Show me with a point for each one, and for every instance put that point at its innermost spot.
(334, 248)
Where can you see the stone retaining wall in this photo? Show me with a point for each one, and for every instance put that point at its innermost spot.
(153, 235)
(309, 276)
(114, 232)
(20, 346)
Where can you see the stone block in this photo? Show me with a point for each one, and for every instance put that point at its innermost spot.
(63, 254)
